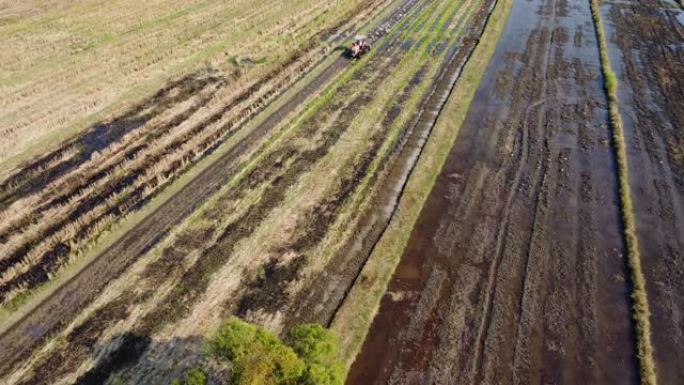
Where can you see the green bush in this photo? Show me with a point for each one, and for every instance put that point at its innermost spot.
(319, 349)
(313, 343)
(258, 357)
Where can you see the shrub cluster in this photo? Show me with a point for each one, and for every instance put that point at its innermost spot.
(308, 356)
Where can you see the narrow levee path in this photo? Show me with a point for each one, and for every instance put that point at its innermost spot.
(515, 272)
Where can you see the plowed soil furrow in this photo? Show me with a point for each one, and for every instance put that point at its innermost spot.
(646, 42)
(515, 271)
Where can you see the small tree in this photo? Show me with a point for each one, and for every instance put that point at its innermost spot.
(258, 356)
(319, 349)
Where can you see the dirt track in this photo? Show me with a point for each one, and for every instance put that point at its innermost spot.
(647, 46)
(515, 272)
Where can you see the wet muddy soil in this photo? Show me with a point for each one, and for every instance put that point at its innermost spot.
(646, 43)
(515, 272)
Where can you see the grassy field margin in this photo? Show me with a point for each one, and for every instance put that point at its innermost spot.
(641, 313)
(354, 318)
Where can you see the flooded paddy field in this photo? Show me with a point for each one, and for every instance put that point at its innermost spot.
(515, 272)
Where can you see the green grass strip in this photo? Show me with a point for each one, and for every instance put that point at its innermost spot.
(640, 308)
(354, 318)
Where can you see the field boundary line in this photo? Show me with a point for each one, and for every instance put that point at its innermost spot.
(355, 316)
(640, 308)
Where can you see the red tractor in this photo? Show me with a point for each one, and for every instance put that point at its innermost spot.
(360, 47)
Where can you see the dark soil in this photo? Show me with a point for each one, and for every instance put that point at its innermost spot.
(268, 291)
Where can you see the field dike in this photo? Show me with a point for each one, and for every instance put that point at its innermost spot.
(353, 319)
(639, 296)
